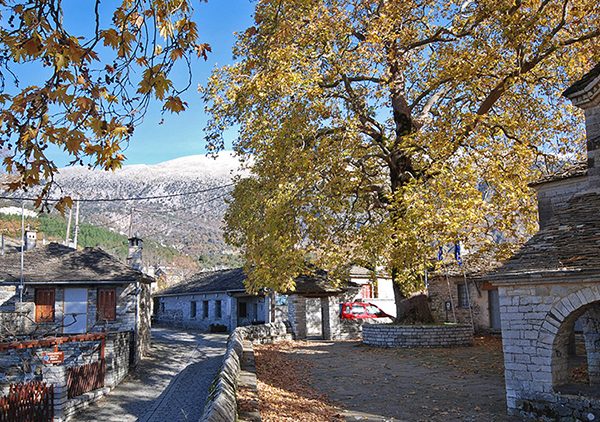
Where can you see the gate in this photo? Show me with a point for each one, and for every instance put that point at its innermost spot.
(84, 378)
(28, 402)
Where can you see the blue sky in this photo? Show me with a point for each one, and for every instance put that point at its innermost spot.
(182, 134)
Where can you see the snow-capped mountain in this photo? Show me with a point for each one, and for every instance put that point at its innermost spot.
(189, 222)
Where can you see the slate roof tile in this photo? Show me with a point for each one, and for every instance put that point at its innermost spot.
(570, 243)
(56, 263)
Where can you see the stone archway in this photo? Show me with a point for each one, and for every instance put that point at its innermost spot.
(557, 329)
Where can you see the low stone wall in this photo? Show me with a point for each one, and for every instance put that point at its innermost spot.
(22, 365)
(221, 404)
(562, 408)
(407, 336)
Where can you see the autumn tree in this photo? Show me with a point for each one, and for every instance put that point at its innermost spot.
(86, 92)
(378, 130)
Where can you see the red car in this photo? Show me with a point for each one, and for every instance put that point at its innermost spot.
(361, 310)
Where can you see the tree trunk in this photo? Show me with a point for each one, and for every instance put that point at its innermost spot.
(398, 295)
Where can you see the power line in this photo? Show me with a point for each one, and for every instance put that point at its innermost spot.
(133, 198)
(177, 225)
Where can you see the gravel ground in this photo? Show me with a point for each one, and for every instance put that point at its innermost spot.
(171, 384)
(371, 384)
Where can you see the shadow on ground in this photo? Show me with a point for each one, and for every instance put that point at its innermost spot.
(372, 384)
(170, 384)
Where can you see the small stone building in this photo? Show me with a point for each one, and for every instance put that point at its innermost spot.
(213, 298)
(550, 290)
(314, 308)
(451, 296)
(69, 291)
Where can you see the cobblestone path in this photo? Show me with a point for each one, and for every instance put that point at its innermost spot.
(169, 385)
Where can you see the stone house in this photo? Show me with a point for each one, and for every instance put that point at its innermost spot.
(212, 298)
(464, 298)
(550, 290)
(68, 291)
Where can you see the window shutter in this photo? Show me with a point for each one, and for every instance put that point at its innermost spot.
(44, 305)
(107, 305)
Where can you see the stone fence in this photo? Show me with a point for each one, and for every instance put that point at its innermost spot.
(26, 364)
(221, 404)
(407, 336)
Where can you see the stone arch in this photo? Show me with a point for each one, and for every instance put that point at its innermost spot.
(558, 324)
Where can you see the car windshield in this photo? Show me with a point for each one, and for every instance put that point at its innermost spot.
(357, 309)
(371, 309)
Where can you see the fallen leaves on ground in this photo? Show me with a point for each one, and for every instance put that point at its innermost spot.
(283, 388)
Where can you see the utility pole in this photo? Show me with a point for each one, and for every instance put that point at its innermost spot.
(68, 234)
(21, 278)
(76, 224)
(130, 222)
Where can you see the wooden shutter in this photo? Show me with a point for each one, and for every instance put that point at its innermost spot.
(44, 305)
(107, 305)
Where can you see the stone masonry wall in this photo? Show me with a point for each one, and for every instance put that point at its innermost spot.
(438, 294)
(221, 404)
(18, 319)
(536, 322)
(389, 335)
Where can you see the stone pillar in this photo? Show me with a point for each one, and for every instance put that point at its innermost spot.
(57, 376)
(267, 309)
(297, 316)
(331, 320)
(591, 335)
(233, 311)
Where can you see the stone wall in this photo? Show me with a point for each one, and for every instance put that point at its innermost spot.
(221, 404)
(537, 320)
(24, 365)
(178, 311)
(388, 335)
(438, 294)
(18, 319)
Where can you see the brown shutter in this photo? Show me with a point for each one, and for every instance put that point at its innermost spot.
(107, 305)
(44, 305)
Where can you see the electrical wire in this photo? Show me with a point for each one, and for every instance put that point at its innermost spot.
(133, 198)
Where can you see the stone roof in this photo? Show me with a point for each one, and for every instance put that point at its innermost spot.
(583, 92)
(567, 247)
(318, 284)
(583, 83)
(578, 169)
(209, 282)
(55, 263)
(232, 280)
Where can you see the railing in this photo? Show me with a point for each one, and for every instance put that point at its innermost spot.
(84, 378)
(28, 402)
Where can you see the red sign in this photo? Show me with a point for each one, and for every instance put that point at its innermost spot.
(52, 358)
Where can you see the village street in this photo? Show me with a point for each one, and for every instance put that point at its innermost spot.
(169, 385)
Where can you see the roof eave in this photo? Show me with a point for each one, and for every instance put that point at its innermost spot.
(192, 293)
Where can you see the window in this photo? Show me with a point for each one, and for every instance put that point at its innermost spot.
(44, 305)
(255, 310)
(205, 309)
(107, 305)
(242, 310)
(162, 307)
(218, 310)
(193, 309)
(463, 296)
(366, 291)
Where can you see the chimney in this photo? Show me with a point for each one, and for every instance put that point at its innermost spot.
(134, 258)
(30, 239)
(585, 94)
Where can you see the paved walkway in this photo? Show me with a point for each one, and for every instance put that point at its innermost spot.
(169, 385)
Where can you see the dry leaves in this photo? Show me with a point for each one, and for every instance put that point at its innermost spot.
(283, 388)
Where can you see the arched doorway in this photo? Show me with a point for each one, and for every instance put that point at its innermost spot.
(576, 353)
